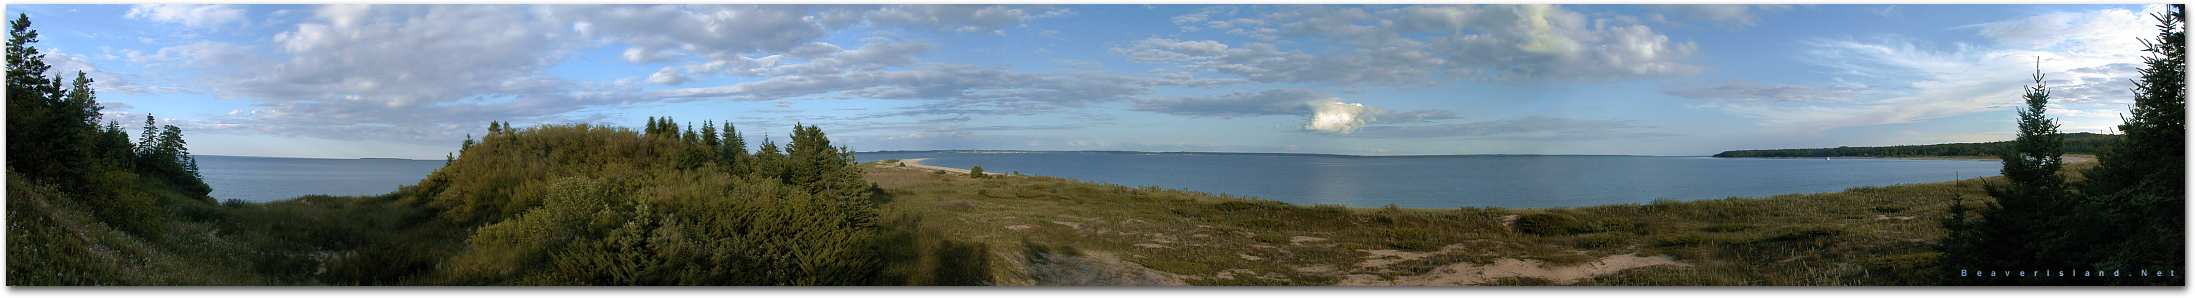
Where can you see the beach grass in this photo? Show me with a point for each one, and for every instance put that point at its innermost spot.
(1861, 236)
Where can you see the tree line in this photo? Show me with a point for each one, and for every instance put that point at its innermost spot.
(55, 137)
(2122, 224)
(2074, 143)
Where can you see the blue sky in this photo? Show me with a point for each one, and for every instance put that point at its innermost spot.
(412, 81)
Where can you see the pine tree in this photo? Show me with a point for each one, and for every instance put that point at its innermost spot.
(146, 139)
(734, 151)
(494, 127)
(2019, 231)
(2137, 188)
(468, 143)
(650, 131)
(708, 134)
(690, 137)
(768, 162)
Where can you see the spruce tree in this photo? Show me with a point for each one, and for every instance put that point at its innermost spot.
(2137, 191)
(2017, 232)
(734, 150)
(145, 139)
(708, 134)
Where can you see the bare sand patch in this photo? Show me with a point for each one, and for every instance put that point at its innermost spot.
(1300, 240)
(1461, 274)
(1375, 258)
(917, 163)
(1095, 268)
(1018, 228)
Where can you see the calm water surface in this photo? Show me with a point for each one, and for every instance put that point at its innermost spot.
(1415, 181)
(1458, 181)
(261, 179)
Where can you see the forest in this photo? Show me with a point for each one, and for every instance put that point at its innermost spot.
(571, 204)
(2075, 143)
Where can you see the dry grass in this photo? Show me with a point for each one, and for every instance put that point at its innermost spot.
(1862, 236)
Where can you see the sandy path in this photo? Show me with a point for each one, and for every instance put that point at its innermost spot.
(917, 163)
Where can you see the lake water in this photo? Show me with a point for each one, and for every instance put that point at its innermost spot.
(1361, 181)
(1457, 181)
(261, 179)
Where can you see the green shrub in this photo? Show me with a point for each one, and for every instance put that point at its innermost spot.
(1601, 241)
(1555, 224)
(1412, 239)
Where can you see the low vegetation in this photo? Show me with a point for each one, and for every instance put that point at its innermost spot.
(1862, 236)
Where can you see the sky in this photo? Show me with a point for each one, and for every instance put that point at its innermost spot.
(412, 81)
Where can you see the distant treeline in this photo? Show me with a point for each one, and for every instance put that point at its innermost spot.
(2075, 143)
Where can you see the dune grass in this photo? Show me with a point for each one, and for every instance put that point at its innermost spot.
(1861, 236)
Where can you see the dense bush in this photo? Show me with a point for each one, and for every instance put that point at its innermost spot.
(1555, 224)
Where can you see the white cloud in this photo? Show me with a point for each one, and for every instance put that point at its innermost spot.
(960, 18)
(1735, 16)
(189, 15)
(2087, 74)
(1336, 117)
(667, 76)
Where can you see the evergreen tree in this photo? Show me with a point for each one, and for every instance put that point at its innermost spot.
(652, 130)
(494, 127)
(768, 162)
(2019, 231)
(146, 138)
(468, 143)
(690, 137)
(2137, 204)
(708, 134)
(27, 99)
(734, 150)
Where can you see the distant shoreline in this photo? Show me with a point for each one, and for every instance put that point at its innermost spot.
(2069, 158)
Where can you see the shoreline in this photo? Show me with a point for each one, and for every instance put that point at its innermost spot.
(917, 163)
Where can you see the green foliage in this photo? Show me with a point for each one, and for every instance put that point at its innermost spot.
(1555, 224)
(2129, 215)
(2075, 143)
(586, 205)
(976, 172)
(2135, 216)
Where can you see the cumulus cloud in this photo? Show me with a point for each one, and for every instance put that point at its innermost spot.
(1336, 117)
(189, 15)
(1418, 44)
(410, 74)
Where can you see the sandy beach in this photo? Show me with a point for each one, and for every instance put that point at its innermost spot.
(917, 163)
